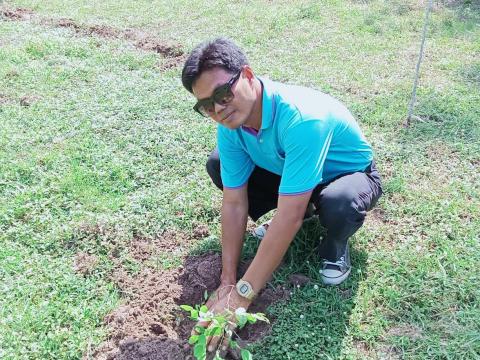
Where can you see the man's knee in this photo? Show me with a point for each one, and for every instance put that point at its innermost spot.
(213, 168)
(341, 205)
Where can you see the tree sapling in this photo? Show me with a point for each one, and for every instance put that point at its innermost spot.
(222, 325)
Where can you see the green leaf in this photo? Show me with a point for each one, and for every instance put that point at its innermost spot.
(217, 331)
(251, 319)
(202, 339)
(186, 307)
(194, 314)
(199, 329)
(242, 320)
(200, 351)
(193, 339)
(203, 309)
(261, 317)
(246, 355)
(214, 330)
(205, 295)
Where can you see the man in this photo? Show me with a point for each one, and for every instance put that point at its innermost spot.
(279, 146)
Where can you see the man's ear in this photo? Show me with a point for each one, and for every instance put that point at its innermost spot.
(248, 72)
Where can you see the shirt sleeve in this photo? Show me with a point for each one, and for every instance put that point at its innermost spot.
(236, 166)
(306, 147)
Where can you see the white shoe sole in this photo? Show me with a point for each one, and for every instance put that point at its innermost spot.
(335, 280)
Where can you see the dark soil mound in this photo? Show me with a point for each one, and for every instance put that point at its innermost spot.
(151, 326)
(154, 349)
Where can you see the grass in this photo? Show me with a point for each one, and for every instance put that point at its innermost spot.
(109, 149)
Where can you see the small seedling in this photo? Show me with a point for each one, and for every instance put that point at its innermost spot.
(221, 325)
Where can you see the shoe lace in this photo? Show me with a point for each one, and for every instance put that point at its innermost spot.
(339, 263)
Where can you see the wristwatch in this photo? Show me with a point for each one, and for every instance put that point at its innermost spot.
(244, 289)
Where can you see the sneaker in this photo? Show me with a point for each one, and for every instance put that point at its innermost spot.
(260, 231)
(334, 273)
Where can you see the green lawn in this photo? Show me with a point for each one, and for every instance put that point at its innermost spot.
(110, 140)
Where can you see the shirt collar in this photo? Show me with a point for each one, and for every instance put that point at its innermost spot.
(268, 103)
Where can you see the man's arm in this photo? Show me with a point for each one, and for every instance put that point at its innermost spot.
(282, 230)
(234, 223)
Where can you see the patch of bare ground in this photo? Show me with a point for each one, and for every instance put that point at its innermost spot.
(28, 100)
(388, 352)
(406, 330)
(362, 349)
(383, 352)
(143, 248)
(84, 263)
(172, 53)
(16, 14)
(150, 324)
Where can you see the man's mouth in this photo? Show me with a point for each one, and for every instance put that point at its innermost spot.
(226, 117)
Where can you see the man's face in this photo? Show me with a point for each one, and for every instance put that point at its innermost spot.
(236, 112)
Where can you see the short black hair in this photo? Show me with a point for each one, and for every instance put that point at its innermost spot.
(220, 52)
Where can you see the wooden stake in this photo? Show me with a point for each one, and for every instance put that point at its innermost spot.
(420, 57)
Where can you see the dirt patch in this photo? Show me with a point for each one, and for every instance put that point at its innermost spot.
(362, 349)
(99, 30)
(154, 349)
(173, 53)
(150, 325)
(84, 263)
(140, 40)
(29, 100)
(388, 352)
(411, 331)
(169, 241)
(152, 44)
(201, 231)
(66, 23)
(173, 62)
(298, 279)
(16, 14)
(102, 30)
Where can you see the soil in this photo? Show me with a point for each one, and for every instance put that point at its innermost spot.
(172, 53)
(16, 14)
(298, 279)
(28, 100)
(140, 40)
(168, 242)
(84, 263)
(152, 44)
(150, 324)
(201, 231)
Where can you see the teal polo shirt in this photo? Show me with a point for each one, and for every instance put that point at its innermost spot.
(307, 137)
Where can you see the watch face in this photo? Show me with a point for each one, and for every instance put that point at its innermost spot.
(243, 289)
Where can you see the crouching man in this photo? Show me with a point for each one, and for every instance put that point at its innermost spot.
(279, 146)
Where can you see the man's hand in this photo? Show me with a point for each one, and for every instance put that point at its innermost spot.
(225, 300)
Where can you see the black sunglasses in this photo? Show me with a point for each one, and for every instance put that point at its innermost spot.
(221, 95)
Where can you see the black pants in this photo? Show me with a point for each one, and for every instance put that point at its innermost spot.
(341, 204)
